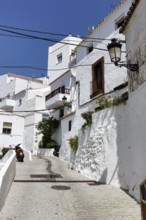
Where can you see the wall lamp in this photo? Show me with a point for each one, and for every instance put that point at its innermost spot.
(64, 99)
(114, 49)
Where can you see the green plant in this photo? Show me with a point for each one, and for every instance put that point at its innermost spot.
(52, 144)
(104, 102)
(74, 143)
(47, 128)
(108, 103)
(88, 117)
(5, 150)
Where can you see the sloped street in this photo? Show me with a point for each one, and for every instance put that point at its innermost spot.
(46, 189)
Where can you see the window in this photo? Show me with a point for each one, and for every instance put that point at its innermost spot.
(20, 102)
(69, 125)
(119, 22)
(45, 117)
(98, 77)
(59, 58)
(61, 113)
(90, 48)
(7, 127)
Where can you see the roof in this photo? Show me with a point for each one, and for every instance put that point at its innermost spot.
(129, 15)
(104, 20)
(25, 78)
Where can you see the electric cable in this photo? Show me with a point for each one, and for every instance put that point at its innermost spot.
(45, 69)
(51, 33)
(48, 39)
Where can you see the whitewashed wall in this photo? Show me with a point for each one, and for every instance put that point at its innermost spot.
(103, 153)
(7, 174)
(16, 135)
(65, 150)
(31, 92)
(113, 76)
(65, 50)
(135, 43)
(113, 149)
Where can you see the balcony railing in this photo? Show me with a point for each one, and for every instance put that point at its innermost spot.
(61, 90)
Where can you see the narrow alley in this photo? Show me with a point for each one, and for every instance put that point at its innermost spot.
(45, 188)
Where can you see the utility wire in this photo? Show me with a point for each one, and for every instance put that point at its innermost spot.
(48, 39)
(26, 111)
(45, 69)
(15, 36)
(50, 33)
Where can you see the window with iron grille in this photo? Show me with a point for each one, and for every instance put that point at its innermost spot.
(7, 127)
(97, 77)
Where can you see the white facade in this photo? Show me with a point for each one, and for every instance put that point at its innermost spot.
(81, 74)
(22, 96)
(112, 150)
(113, 76)
(59, 56)
(17, 129)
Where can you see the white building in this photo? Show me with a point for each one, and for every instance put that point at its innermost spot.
(90, 58)
(62, 82)
(20, 97)
(95, 76)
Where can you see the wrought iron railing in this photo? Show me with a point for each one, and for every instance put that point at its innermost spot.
(61, 90)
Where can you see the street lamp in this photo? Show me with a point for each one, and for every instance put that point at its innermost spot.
(114, 49)
(64, 99)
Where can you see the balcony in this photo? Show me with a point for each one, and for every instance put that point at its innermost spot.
(54, 99)
(7, 103)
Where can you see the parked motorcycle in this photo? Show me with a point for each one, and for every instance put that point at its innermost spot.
(56, 151)
(19, 153)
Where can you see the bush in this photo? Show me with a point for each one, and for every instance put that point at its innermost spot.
(74, 143)
(5, 150)
(52, 144)
(47, 128)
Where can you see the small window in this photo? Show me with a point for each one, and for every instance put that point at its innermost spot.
(119, 22)
(7, 127)
(98, 77)
(45, 117)
(69, 125)
(90, 48)
(20, 102)
(59, 58)
(61, 113)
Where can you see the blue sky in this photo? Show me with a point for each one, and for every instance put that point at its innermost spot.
(56, 16)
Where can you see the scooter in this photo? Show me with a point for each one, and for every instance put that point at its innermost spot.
(56, 151)
(19, 153)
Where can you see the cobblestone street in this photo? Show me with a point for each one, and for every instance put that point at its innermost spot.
(65, 196)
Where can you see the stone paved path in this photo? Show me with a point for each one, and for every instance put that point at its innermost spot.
(81, 201)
